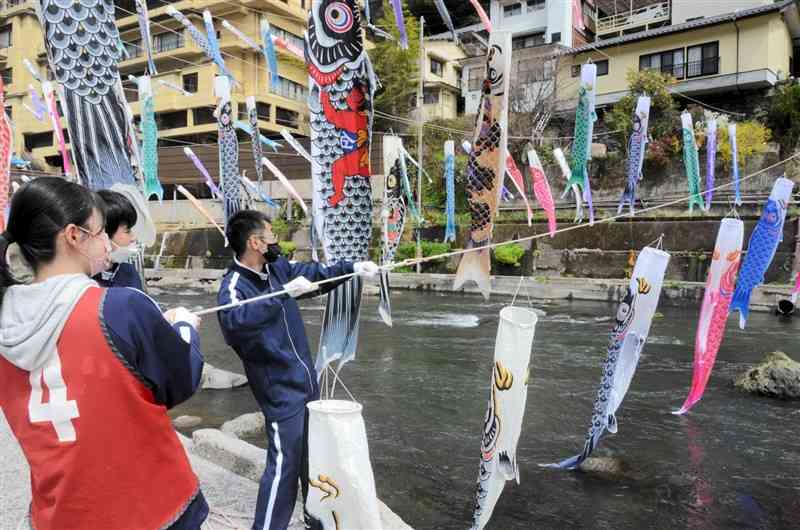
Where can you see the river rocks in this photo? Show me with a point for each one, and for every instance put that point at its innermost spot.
(777, 376)
(608, 467)
(217, 379)
(370, 289)
(228, 452)
(187, 422)
(246, 425)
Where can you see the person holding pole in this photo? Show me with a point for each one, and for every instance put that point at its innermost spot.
(87, 374)
(270, 339)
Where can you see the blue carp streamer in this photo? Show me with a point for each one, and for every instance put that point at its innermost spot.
(711, 159)
(735, 162)
(397, 7)
(636, 151)
(762, 247)
(450, 184)
(269, 54)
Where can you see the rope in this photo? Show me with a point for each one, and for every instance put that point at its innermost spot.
(414, 261)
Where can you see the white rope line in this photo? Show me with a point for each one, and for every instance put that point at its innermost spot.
(414, 261)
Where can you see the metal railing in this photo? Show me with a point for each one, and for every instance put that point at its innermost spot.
(643, 16)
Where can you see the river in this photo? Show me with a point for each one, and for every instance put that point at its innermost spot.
(732, 462)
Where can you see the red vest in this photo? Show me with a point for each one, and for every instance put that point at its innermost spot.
(102, 453)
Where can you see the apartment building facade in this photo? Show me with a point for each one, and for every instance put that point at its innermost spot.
(182, 117)
(540, 30)
(442, 98)
(749, 49)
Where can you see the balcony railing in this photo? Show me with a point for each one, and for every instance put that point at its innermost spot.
(690, 70)
(637, 18)
(168, 42)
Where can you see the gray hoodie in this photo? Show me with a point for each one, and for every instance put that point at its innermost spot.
(33, 316)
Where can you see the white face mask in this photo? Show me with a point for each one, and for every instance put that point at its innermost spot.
(123, 254)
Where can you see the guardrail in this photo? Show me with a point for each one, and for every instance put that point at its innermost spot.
(642, 16)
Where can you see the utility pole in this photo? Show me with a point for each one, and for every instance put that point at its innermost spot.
(420, 110)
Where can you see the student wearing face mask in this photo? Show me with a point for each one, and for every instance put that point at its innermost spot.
(87, 374)
(121, 217)
(271, 341)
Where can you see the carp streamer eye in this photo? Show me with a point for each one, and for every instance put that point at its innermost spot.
(339, 17)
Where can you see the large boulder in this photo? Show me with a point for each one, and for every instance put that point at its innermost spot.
(608, 467)
(246, 425)
(777, 376)
(217, 379)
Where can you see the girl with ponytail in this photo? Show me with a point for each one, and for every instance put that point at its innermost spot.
(87, 374)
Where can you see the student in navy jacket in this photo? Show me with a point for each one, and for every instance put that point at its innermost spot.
(121, 217)
(271, 341)
(87, 374)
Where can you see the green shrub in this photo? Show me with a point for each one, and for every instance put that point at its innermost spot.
(408, 250)
(287, 247)
(510, 254)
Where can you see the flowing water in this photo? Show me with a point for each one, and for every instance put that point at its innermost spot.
(732, 463)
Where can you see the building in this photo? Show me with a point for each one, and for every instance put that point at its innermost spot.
(442, 78)
(181, 118)
(541, 29)
(745, 50)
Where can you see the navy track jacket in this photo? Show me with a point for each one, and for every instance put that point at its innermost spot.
(121, 275)
(269, 335)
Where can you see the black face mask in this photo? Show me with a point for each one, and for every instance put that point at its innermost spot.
(273, 252)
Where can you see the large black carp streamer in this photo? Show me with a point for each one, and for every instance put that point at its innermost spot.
(81, 41)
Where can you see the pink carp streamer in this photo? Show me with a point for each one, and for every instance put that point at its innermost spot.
(519, 183)
(289, 47)
(541, 188)
(6, 147)
(796, 290)
(487, 24)
(52, 108)
(714, 312)
(286, 184)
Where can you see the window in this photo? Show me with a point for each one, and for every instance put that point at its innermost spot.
(670, 62)
(528, 41)
(190, 83)
(133, 48)
(171, 120)
(533, 70)
(459, 83)
(37, 140)
(430, 96)
(262, 110)
(10, 112)
(535, 5)
(703, 60)
(287, 117)
(512, 10)
(203, 116)
(555, 37)
(602, 68)
(437, 67)
(290, 89)
(288, 36)
(7, 75)
(164, 42)
(5, 37)
(476, 76)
